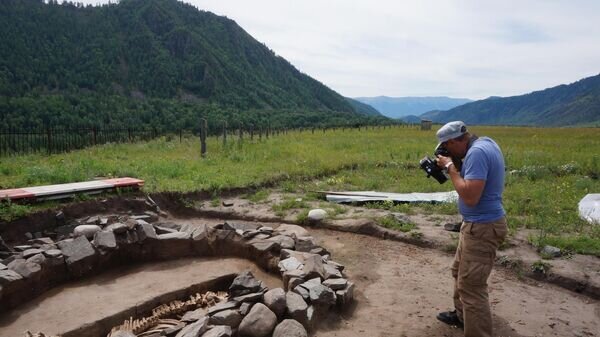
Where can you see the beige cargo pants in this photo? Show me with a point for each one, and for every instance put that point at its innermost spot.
(472, 266)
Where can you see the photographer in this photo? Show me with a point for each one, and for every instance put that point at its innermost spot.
(476, 168)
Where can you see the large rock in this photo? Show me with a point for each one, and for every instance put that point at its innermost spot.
(336, 283)
(245, 283)
(313, 267)
(275, 300)
(284, 242)
(291, 230)
(290, 263)
(229, 317)
(2, 267)
(223, 306)
(105, 240)
(145, 231)
(122, 333)
(296, 307)
(31, 252)
(322, 295)
(192, 316)
(219, 331)
(195, 329)
(79, 255)
(25, 268)
(86, 230)
(259, 322)
(290, 328)
(7, 276)
(39, 259)
(345, 296)
(316, 215)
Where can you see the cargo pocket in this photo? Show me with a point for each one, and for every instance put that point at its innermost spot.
(474, 270)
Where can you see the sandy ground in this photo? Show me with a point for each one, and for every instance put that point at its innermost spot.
(400, 289)
(72, 305)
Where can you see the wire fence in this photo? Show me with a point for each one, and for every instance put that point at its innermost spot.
(14, 142)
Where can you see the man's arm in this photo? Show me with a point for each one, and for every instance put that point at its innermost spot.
(469, 190)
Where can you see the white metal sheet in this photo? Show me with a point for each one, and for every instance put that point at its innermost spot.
(589, 208)
(364, 196)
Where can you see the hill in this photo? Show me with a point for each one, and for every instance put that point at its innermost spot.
(363, 108)
(397, 107)
(565, 105)
(147, 62)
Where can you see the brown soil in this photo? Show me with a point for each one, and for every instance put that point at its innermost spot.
(400, 289)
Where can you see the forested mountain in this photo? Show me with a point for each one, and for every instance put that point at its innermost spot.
(397, 107)
(147, 62)
(574, 104)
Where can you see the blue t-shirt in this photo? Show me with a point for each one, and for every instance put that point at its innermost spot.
(484, 161)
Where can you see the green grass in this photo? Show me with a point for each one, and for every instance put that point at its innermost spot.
(392, 223)
(548, 170)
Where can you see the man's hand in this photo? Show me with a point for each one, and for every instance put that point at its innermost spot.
(468, 190)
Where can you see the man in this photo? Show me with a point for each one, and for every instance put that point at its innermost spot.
(479, 182)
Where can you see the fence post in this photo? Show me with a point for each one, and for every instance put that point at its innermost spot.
(251, 133)
(225, 133)
(49, 140)
(180, 136)
(203, 129)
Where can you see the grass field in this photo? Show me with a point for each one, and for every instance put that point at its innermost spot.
(548, 170)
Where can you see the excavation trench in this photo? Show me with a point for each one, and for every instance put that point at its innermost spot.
(91, 307)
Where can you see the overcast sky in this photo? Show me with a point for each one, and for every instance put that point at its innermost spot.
(471, 49)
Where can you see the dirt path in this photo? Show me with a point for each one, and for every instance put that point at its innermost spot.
(72, 305)
(400, 289)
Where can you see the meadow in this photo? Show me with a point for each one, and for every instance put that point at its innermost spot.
(548, 170)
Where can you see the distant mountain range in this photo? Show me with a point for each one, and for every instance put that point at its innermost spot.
(565, 105)
(398, 107)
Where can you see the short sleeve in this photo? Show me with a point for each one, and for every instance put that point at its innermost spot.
(475, 165)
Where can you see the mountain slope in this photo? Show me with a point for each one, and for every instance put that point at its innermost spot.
(141, 52)
(574, 104)
(396, 107)
(363, 108)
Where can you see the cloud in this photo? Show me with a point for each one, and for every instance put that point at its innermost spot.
(463, 48)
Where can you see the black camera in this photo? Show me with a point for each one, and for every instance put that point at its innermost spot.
(431, 168)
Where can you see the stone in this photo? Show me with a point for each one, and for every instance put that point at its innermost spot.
(24, 268)
(244, 283)
(38, 259)
(291, 263)
(105, 240)
(192, 316)
(117, 228)
(253, 297)
(43, 241)
(293, 282)
(319, 251)
(265, 246)
(79, 254)
(86, 230)
(195, 329)
(345, 296)
(230, 317)
(336, 283)
(60, 218)
(235, 226)
(296, 307)
(219, 331)
(227, 203)
(146, 231)
(266, 229)
(274, 299)
(93, 220)
(331, 272)
(302, 292)
(259, 322)
(164, 230)
(7, 276)
(245, 308)
(31, 252)
(316, 215)
(322, 295)
(291, 230)
(551, 251)
(22, 248)
(103, 221)
(291, 274)
(3, 267)
(289, 328)
(304, 245)
(53, 253)
(171, 331)
(284, 242)
(336, 265)
(174, 235)
(223, 306)
(313, 267)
